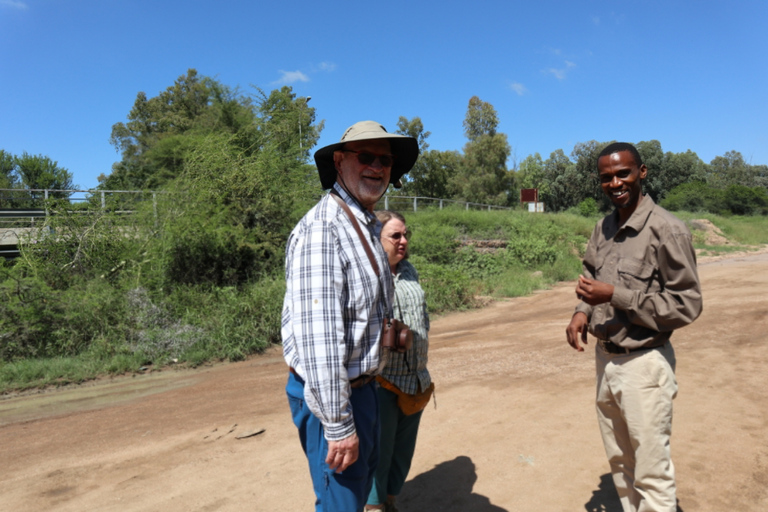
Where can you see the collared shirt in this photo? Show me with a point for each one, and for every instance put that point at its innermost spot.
(651, 263)
(334, 308)
(411, 308)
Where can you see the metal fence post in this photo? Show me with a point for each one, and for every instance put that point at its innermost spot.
(103, 203)
(415, 199)
(386, 202)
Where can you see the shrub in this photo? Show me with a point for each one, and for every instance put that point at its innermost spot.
(588, 208)
(695, 196)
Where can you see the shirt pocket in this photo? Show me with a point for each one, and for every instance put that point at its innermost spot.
(636, 274)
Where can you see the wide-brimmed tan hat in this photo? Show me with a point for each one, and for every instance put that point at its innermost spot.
(404, 148)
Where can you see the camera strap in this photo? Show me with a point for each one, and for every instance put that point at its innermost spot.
(356, 225)
(366, 245)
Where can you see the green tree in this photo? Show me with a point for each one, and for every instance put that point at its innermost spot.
(162, 131)
(481, 119)
(40, 172)
(695, 196)
(530, 174)
(414, 128)
(433, 175)
(8, 179)
(741, 200)
(653, 159)
(285, 125)
(562, 191)
(730, 169)
(676, 169)
(761, 175)
(586, 178)
(484, 177)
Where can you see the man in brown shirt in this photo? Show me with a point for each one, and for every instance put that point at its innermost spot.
(639, 285)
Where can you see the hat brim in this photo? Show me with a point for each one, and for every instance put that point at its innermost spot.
(405, 150)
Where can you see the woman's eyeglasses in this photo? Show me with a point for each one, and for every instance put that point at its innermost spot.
(398, 236)
(366, 158)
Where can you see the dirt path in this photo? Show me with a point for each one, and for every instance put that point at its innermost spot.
(514, 428)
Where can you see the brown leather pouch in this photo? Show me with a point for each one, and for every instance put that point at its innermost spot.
(409, 404)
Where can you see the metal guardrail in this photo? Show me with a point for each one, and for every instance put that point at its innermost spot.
(413, 202)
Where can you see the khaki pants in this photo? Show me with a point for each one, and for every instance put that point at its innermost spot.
(634, 411)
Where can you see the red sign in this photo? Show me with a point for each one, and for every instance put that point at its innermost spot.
(529, 195)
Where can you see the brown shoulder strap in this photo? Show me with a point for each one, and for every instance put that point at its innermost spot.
(356, 225)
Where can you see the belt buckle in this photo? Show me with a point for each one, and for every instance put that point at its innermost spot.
(612, 348)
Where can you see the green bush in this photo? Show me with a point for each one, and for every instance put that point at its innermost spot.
(588, 208)
(741, 200)
(446, 289)
(695, 196)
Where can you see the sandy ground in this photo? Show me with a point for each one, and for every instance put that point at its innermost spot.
(514, 428)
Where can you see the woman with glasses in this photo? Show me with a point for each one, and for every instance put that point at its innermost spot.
(405, 386)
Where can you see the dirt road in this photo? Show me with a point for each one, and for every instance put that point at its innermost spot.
(514, 428)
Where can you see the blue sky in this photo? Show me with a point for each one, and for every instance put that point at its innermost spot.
(692, 75)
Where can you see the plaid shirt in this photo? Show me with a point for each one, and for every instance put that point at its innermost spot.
(334, 308)
(410, 307)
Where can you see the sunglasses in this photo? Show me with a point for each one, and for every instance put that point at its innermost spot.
(366, 158)
(397, 236)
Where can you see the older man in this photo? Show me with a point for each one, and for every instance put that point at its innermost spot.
(639, 285)
(336, 300)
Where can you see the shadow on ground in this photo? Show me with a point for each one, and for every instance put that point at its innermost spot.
(606, 499)
(447, 486)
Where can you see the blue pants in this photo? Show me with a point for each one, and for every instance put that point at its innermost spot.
(346, 491)
(398, 442)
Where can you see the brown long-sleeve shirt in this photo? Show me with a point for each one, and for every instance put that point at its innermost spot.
(651, 263)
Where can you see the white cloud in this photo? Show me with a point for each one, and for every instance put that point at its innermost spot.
(518, 88)
(327, 66)
(561, 73)
(14, 4)
(596, 20)
(289, 77)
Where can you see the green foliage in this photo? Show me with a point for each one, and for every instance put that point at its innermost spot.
(694, 196)
(433, 175)
(530, 174)
(193, 273)
(163, 132)
(446, 288)
(734, 199)
(483, 177)
(27, 172)
(588, 208)
(742, 200)
(235, 218)
(531, 250)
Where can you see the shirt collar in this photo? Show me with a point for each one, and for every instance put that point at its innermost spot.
(362, 215)
(639, 217)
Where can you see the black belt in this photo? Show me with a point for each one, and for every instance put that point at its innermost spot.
(354, 383)
(361, 381)
(613, 348)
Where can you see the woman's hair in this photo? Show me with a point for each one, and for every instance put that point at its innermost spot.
(385, 216)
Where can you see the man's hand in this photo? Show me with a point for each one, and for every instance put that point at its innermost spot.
(577, 329)
(342, 454)
(593, 292)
